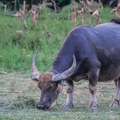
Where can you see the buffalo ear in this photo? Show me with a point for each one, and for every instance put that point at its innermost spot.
(61, 84)
(60, 87)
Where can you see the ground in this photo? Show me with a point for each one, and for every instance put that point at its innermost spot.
(19, 94)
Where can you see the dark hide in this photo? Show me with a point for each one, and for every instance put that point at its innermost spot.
(97, 53)
(116, 20)
(97, 46)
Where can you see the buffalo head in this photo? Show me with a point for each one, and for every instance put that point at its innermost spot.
(49, 84)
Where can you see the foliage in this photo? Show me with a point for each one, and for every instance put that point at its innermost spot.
(1, 6)
(62, 3)
(110, 3)
(47, 36)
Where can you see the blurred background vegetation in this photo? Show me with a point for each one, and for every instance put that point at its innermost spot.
(60, 3)
(47, 36)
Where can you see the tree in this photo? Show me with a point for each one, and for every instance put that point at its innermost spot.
(110, 3)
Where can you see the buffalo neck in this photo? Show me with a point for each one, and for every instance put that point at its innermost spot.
(64, 57)
(76, 44)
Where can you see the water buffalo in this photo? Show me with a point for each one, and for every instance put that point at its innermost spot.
(88, 52)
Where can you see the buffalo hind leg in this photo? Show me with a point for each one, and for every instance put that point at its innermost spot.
(69, 101)
(116, 101)
(93, 78)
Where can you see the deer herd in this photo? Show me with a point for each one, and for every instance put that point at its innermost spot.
(87, 7)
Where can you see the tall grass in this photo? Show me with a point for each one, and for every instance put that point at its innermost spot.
(16, 53)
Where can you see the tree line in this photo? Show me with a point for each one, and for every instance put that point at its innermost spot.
(60, 3)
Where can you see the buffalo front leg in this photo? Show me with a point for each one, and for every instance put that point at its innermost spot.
(93, 78)
(116, 101)
(69, 101)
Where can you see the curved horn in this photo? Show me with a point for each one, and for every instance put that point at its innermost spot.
(66, 73)
(35, 72)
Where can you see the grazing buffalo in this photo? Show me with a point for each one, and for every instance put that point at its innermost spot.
(92, 53)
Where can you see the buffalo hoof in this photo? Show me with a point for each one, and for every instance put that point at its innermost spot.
(67, 107)
(93, 106)
(115, 103)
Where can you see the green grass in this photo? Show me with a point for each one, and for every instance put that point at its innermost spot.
(21, 50)
(16, 53)
(18, 94)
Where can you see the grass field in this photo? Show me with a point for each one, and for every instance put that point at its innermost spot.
(18, 94)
